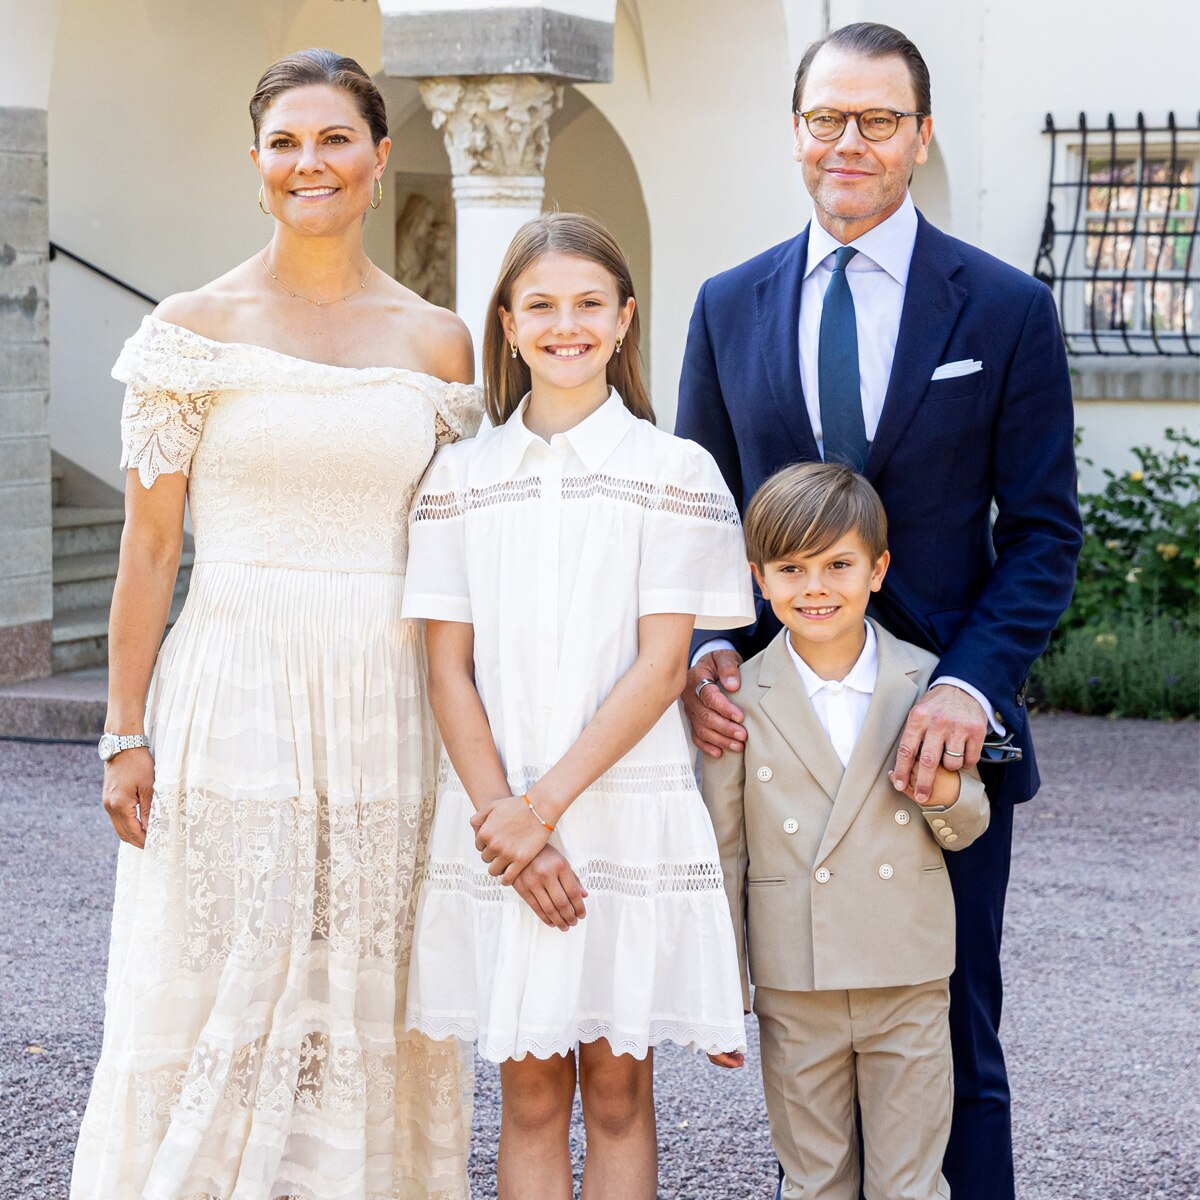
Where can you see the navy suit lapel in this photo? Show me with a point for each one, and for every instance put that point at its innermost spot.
(932, 302)
(777, 297)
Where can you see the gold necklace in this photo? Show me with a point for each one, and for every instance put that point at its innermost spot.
(318, 303)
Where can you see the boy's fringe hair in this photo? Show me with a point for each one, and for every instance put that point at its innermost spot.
(804, 509)
(506, 379)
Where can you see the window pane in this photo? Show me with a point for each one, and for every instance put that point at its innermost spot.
(1107, 305)
(1111, 248)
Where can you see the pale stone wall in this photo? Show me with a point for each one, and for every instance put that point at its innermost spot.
(25, 533)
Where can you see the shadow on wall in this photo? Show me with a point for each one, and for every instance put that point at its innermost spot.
(931, 189)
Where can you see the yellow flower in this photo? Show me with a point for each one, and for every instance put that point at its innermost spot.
(1135, 476)
(1168, 550)
(1132, 577)
(1106, 641)
(1112, 544)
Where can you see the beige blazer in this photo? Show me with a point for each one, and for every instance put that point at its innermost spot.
(834, 879)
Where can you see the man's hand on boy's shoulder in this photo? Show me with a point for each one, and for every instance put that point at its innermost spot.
(715, 721)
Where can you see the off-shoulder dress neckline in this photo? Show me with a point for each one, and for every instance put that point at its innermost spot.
(310, 362)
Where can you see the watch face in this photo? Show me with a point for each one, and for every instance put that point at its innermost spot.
(107, 747)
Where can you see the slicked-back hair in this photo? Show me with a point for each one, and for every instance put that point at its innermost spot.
(507, 379)
(804, 509)
(308, 67)
(870, 40)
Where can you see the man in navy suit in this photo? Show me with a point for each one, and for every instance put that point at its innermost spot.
(939, 372)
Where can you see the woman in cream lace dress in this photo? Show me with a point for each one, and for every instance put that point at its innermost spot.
(275, 828)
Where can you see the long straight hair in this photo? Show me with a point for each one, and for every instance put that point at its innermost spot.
(507, 379)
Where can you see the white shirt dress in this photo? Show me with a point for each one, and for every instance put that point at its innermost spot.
(553, 551)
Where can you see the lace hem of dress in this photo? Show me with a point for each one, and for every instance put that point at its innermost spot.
(696, 1036)
(655, 497)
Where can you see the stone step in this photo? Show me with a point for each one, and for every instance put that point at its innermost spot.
(86, 530)
(79, 637)
(87, 580)
(68, 707)
(56, 484)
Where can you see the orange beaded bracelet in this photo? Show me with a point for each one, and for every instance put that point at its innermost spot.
(545, 824)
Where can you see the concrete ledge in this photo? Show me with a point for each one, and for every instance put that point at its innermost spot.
(488, 41)
(1143, 378)
(67, 707)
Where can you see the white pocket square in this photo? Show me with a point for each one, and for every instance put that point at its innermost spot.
(965, 366)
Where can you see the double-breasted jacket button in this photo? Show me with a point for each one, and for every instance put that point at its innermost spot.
(791, 825)
(902, 817)
(765, 773)
(937, 822)
(952, 838)
(946, 832)
(821, 874)
(885, 871)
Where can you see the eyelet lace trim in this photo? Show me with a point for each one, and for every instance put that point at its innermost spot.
(654, 497)
(597, 875)
(638, 780)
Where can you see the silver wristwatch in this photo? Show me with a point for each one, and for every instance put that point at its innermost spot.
(113, 743)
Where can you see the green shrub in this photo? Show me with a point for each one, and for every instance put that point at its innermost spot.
(1140, 667)
(1141, 548)
(1129, 644)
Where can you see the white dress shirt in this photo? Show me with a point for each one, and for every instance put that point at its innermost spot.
(878, 277)
(841, 704)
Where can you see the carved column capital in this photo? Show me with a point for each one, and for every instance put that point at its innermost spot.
(494, 125)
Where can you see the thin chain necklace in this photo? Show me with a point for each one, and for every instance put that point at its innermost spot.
(318, 303)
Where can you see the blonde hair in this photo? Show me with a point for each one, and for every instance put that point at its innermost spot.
(804, 509)
(506, 379)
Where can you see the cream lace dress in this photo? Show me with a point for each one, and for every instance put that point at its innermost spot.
(253, 1042)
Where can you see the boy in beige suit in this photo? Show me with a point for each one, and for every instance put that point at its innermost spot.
(839, 895)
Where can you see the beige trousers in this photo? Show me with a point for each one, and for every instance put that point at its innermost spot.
(888, 1049)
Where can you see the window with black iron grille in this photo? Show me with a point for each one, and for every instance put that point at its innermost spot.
(1119, 241)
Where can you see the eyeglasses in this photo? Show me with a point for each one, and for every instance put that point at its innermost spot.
(874, 124)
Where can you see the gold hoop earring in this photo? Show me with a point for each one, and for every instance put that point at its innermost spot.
(379, 194)
(512, 349)
(265, 209)
(620, 343)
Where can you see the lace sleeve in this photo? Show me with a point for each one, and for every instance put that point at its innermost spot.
(160, 430)
(457, 412)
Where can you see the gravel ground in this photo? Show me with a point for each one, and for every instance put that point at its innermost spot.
(1101, 966)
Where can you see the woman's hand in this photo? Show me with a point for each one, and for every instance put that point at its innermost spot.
(508, 837)
(552, 889)
(128, 791)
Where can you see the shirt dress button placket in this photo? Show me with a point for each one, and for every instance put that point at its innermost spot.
(548, 554)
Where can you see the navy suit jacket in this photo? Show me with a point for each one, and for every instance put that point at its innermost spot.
(983, 595)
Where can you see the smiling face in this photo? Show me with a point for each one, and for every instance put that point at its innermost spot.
(565, 319)
(317, 159)
(855, 184)
(822, 598)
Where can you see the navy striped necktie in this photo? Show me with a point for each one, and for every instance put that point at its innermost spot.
(843, 430)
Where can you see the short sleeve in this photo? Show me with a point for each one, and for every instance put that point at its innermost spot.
(160, 431)
(458, 410)
(168, 388)
(693, 559)
(436, 583)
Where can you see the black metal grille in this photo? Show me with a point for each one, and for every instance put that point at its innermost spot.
(1123, 264)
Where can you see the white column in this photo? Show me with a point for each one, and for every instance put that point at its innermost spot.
(497, 133)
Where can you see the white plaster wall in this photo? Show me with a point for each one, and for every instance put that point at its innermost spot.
(27, 33)
(596, 10)
(1112, 427)
(150, 175)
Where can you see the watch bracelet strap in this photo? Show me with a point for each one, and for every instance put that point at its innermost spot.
(130, 741)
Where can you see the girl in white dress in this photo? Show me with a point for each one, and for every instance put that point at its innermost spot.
(572, 914)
